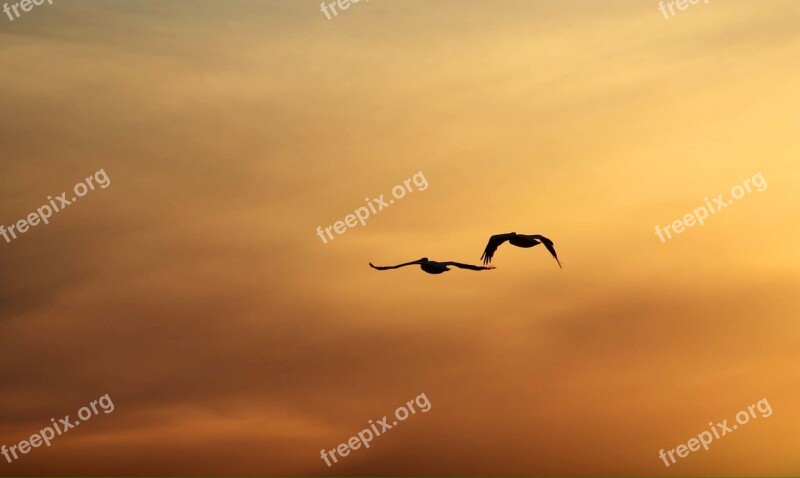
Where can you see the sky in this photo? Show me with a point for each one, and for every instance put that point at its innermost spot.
(195, 291)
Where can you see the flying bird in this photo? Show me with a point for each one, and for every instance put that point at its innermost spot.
(433, 267)
(519, 240)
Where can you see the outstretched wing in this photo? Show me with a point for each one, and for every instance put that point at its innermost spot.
(494, 243)
(383, 268)
(549, 245)
(468, 266)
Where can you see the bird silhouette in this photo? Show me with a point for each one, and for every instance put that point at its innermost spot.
(433, 267)
(519, 240)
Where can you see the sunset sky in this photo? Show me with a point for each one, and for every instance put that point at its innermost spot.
(196, 293)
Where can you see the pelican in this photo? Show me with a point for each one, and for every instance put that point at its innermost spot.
(433, 267)
(519, 240)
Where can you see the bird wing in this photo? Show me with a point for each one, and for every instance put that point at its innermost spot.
(383, 268)
(468, 266)
(495, 242)
(549, 245)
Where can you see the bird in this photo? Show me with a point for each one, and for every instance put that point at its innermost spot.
(433, 267)
(519, 240)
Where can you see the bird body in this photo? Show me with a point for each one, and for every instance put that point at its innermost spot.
(433, 267)
(524, 241)
(519, 240)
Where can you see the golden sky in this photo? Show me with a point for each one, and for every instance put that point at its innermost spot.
(195, 291)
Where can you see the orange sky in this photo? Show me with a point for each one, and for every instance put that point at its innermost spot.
(195, 292)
